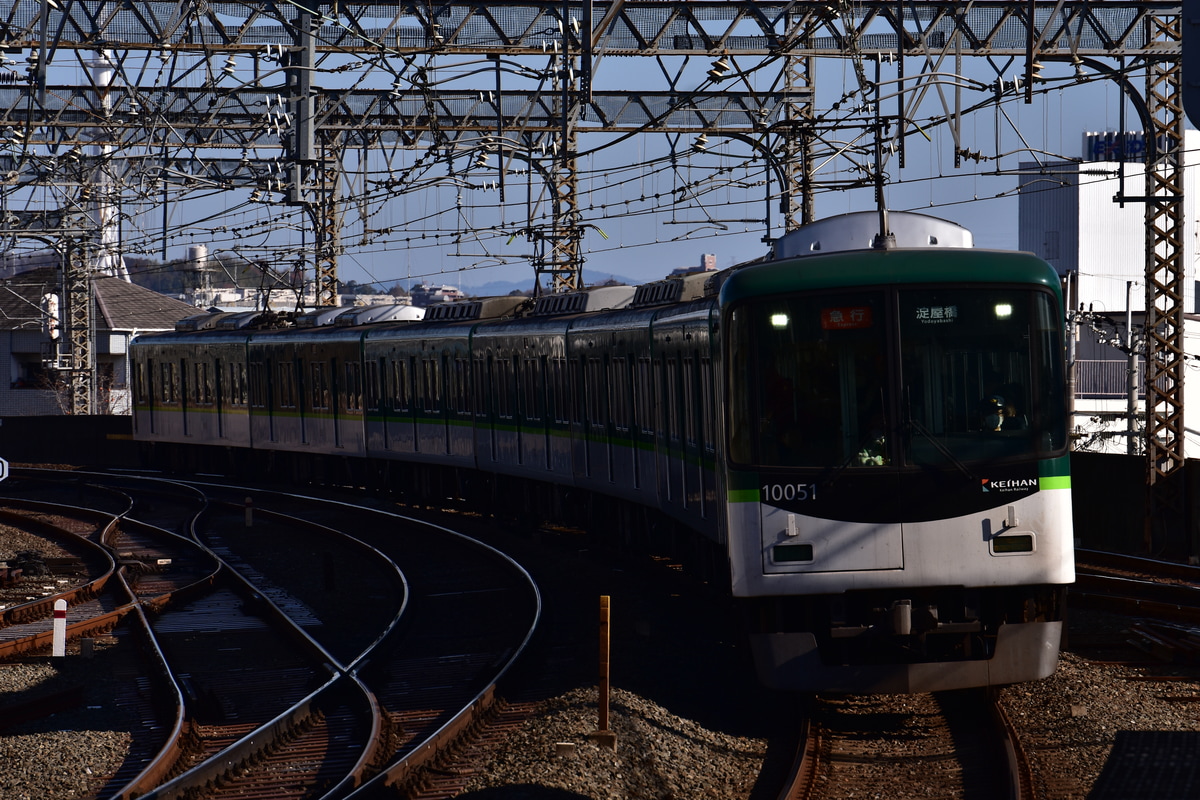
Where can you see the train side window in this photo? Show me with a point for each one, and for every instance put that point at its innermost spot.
(258, 384)
(353, 391)
(139, 383)
(707, 406)
(170, 383)
(558, 390)
(690, 401)
(460, 396)
(287, 385)
(202, 390)
(319, 388)
(594, 393)
(504, 388)
(371, 383)
(574, 377)
(618, 393)
(643, 394)
(432, 385)
(400, 386)
(671, 379)
(480, 387)
(531, 374)
(235, 383)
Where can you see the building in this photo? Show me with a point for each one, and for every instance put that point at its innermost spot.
(30, 337)
(1069, 214)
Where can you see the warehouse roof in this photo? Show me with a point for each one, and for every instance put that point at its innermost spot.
(120, 306)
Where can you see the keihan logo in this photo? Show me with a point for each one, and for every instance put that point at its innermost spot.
(1013, 485)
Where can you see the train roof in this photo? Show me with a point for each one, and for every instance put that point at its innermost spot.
(864, 268)
(858, 231)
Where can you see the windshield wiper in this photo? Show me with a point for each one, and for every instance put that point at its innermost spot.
(941, 448)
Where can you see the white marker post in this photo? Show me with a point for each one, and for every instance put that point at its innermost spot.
(59, 646)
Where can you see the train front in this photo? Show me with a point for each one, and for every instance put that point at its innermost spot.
(896, 468)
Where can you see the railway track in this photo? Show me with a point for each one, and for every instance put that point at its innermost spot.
(306, 653)
(420, 744)
(947, 745)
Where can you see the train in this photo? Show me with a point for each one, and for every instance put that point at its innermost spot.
(861, 437)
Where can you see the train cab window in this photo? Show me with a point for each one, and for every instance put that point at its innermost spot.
(812, 384)
(808, 381)
(979, 371)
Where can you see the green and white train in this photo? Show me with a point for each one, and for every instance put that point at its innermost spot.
(866, 444)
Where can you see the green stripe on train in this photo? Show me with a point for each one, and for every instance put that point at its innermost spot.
(1054, 482)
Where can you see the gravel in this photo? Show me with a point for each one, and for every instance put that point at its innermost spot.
(657, 754)
(687, 722)
(61, 756)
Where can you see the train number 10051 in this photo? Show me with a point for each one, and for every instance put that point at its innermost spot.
(780, 492)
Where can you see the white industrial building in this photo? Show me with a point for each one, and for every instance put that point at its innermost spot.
(1070, 215)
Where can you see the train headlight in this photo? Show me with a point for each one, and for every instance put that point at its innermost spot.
(779, 321)
(1003, 310)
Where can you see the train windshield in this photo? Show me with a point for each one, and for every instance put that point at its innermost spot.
(909, 377)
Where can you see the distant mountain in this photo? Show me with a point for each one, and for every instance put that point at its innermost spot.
(501, 288)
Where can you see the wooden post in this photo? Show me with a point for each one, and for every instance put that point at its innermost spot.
(603, 736)
(605, 689)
